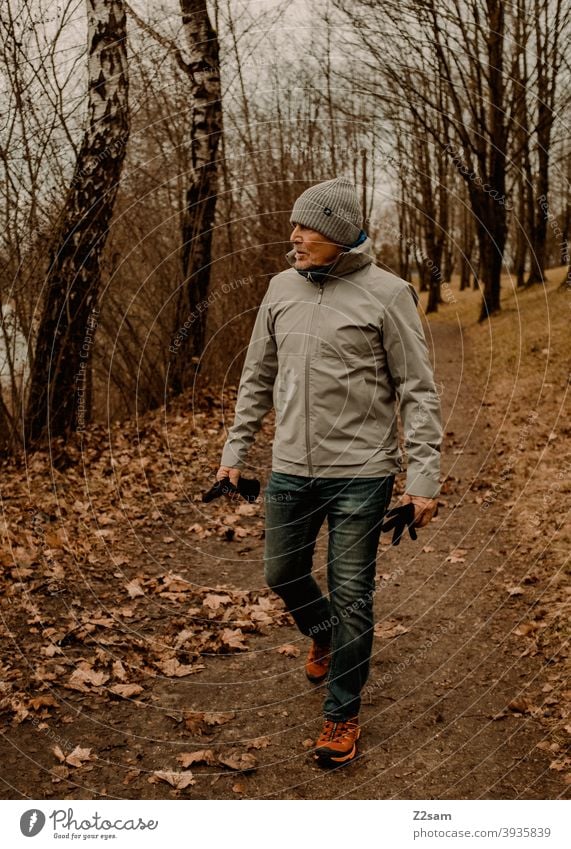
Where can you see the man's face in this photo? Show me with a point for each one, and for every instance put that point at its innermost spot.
(312, 248)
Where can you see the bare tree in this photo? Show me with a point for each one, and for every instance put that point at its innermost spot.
(203, 69)
(58, 401)
(449, 53)
(550, 25)
(38, 137)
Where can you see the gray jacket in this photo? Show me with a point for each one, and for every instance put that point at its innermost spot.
(334, 358)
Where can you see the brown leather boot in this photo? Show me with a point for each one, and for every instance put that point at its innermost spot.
(337, 742)
(317, 662)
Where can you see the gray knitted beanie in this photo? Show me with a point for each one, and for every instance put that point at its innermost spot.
(331, 208)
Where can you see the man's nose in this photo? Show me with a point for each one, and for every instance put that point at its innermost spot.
(295, 234)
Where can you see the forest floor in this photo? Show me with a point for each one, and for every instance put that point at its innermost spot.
(143, 657)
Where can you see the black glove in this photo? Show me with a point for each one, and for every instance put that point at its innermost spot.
(400, 518)
(248, 488)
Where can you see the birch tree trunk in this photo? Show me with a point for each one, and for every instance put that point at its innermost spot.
(203, 69)
(58, 401)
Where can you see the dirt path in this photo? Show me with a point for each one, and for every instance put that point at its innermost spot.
(436, 719)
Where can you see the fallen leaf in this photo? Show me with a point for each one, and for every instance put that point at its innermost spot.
(198, 529)
(457, 555)
(126, 690)
(525, 629)
(119, 670)
(289, 650)
(75, 758)
(134, 589)
(175, 669)
(234, 639)
(520, 705)
(58, 753)
(239, 787)
(219, 718)
(83, 676)
(78, 756)
(196, 721)
(214, 602)
(178, 780)
(515, 591)
(428, 549)
(59, 773)
(44, 700)
(259, 743)
(243, 762)
(131, 776)
(389, 628)
(203, 756)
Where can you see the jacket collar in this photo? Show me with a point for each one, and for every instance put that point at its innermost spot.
(348, 261)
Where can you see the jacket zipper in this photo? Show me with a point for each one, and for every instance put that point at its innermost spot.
(307, 435)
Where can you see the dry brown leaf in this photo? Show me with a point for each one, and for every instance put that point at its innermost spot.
(246, 509)
(520, 705)
(289, 650)
(173, 584)
(119, 670)
(78, 756)
(234, 639)
(84, 675)
(183, 636)
(75, 758)
(51, 650)
(59, 773)
(197, 721)
(198, 529)
(428, 549)
(389, 628)
(259, 743)
(220, 718)
(203, 756)
(308, 743)
(134, 589)
(178, 780)
(240, 761)
(515, 591)
(525, 629)
(239, 787)
(125, 691)
(45, 700)
(457, 556)
(173, 668)
(214, 602)
(58, 753)
(131, 776)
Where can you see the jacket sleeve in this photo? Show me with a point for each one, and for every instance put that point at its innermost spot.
(255, 391)
(419, 403)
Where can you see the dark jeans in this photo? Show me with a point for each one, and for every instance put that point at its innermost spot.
(296, 508)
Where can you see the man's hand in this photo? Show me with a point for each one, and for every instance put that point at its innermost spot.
(424, 508)
(234, 475)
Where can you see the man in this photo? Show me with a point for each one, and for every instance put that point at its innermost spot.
(336, 344)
